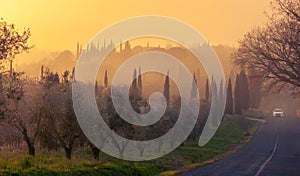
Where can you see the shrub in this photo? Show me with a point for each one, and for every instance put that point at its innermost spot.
(27, 162)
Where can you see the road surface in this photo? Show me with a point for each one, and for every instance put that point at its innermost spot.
(273, 151)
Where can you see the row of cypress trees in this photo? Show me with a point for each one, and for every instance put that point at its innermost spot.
(239, 99)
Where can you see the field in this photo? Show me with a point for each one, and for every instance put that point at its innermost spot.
(233, 133)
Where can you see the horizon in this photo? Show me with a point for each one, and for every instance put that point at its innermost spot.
(53, 26)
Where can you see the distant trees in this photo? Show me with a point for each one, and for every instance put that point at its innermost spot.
(43, 111)
(215, 101)
(237, 98)
(135, 93)
(255, 87)
(194, 87)
(274, 49)
(229, 100)
(140, 81)
(241, 93)
(207, 97)
(60, 122)
(221, 94)
(167, 89)
(105, 79)
(47, 138)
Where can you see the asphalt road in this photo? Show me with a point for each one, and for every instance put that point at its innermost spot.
(274, 150)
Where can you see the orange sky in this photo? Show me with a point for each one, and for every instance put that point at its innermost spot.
(59, 24)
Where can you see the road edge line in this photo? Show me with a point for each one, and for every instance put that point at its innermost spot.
(269, 159)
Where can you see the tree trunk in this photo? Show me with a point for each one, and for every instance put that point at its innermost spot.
(96, 152)
(31, 150)
(30, 145)
(68, 151)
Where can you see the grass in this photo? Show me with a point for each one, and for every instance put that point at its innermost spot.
(47, 164)
(253, 114)
(229, 135)
(228, 139)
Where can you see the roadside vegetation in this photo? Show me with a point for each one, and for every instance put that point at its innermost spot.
(229, 138)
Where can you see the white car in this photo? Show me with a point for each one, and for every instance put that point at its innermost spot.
(278, 112)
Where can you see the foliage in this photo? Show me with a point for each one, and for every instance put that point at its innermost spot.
(23, 107)
(274, 49)
(12, 42)
(207, 91)
(53, 163)
(27, 162)
(60, 122)
(229, 99)
(241, 93)
(255, 88)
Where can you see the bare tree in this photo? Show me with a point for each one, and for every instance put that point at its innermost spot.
(122, 128)
(12, 91)
(12, 42)
(24, 110)
(274, 49)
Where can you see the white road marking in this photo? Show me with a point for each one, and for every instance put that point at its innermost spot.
(255, 119)
(269, 159)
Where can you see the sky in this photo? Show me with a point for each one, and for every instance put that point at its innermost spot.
(57, 25)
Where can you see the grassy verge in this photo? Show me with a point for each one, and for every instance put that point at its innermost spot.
(228, 139)
(253, 114)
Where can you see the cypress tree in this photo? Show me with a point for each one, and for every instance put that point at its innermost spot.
(167, 89)
(244, 89)
(229, 100)
(194, 87)
(140, 83)
(207, 91)
(241, 95)
(237, 95)
(221, 91)
(133, 92)
(73, 74)
(42, 72)
(105, 79)
(134, 82)
(255, 86)
(97, 89)
(214, 102)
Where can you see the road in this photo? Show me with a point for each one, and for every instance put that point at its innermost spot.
(273, 151)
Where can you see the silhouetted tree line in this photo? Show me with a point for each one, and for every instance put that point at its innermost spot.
(245, 95)
(42, 110)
